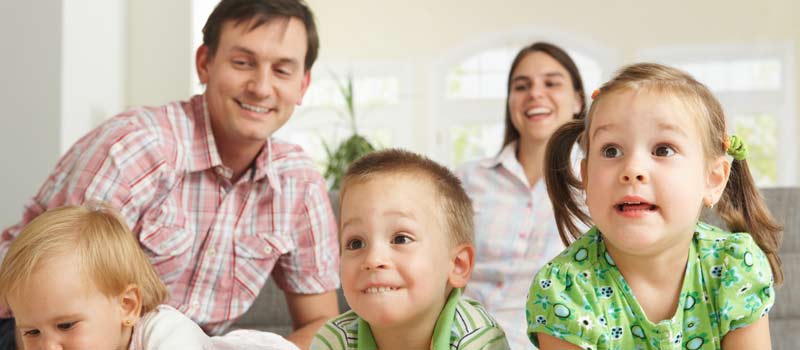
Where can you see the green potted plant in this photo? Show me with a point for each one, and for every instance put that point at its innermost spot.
(351, 148)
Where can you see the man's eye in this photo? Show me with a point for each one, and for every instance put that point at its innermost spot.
(664, 151)
(402, 239)
(65, 326)
(354, 244)
(31, 333)
(611, 151)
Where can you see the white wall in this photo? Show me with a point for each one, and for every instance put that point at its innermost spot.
(159, 51)
(93, 65)
(30, 32)
(63, 72)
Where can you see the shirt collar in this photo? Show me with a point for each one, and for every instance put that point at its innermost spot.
(441, 331)
(206, 156)
(506, 156)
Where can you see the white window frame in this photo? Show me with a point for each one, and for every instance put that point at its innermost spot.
(782, 102)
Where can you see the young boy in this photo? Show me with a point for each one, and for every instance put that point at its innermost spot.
(406, 242)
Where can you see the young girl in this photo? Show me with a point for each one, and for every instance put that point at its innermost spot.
(649, 275)
(76, 278)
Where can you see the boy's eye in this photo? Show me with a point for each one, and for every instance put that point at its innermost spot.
(30, 333)
(611, 151)
(663, 151)
(66, 326)
(354, 244)
(402, 239)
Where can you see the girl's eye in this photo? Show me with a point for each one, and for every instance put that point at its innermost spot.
(354, 244)
(401, 239)
(66, 326)
(611, 151)
(30, 333)
(664, 151)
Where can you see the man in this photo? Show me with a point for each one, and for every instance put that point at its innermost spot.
(217, 204)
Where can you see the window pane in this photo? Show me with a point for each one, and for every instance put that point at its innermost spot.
(737, 75)
(475, 141)
(760, 133)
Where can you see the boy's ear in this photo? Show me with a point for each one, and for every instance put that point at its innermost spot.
(717, 178)
(130, 303)
(463, 258)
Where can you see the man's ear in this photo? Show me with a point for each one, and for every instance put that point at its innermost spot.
(201, 63)
(463, 259)
(130, 303)
(304, 86)
(717, 178)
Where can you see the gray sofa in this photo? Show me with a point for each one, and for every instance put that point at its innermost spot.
(270, 313)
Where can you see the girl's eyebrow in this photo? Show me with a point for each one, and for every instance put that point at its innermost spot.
(673, 128)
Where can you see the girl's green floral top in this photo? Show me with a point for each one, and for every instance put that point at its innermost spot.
(581, 297)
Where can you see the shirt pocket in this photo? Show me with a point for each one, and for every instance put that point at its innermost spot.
(256, 256)
(166, 242)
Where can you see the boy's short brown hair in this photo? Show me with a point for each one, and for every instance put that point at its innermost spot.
(456, 207)
(110, 255)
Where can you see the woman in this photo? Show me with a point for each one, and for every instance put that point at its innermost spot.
(515, 233)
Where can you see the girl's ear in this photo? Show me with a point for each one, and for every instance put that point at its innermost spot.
(463, 258)
(717, 178)
(130, 303)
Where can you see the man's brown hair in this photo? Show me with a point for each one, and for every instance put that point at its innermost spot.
(257, 13)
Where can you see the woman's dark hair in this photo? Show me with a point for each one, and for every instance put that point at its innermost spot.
(511, 133)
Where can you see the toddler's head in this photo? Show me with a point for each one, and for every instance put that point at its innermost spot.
(76, 277)
(406, 238)
(655, 145)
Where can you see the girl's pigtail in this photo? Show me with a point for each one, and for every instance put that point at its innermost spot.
(563, 186)
(744, 210)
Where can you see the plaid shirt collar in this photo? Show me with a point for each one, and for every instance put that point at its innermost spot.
(206, 156)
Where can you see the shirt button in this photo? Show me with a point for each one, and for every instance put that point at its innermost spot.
(212, 253)
(268, 249)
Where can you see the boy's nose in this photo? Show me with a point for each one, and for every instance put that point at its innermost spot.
(375, 260)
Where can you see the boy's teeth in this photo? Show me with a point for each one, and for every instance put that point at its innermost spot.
(373, 290)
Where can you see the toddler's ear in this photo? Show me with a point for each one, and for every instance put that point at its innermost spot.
(463, 258)
(130, 303)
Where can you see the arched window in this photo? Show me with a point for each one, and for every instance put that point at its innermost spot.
(472, 94)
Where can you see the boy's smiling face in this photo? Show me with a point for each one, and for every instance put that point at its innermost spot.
(396, 257)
